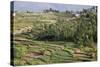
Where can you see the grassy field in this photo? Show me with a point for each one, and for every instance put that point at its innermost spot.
(28, 50)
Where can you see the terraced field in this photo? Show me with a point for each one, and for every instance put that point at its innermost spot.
(28, 50)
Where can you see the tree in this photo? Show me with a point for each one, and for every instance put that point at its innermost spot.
(86, 32)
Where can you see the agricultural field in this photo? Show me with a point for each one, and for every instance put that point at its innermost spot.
(53, 37)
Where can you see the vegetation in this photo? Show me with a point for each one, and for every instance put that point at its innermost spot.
(54, 37)
(87, 30)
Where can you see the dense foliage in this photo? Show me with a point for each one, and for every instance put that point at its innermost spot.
(82, 30)
(86, 32)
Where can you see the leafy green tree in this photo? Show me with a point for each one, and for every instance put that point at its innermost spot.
(86, 32)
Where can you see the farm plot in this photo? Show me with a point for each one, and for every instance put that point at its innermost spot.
(46, 38)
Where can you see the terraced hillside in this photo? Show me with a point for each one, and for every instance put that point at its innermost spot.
(41, 38)
(25, 21)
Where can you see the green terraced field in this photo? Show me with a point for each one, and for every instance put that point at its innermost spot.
(28, 50)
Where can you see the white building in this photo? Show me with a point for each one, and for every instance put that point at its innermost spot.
(77, 15)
